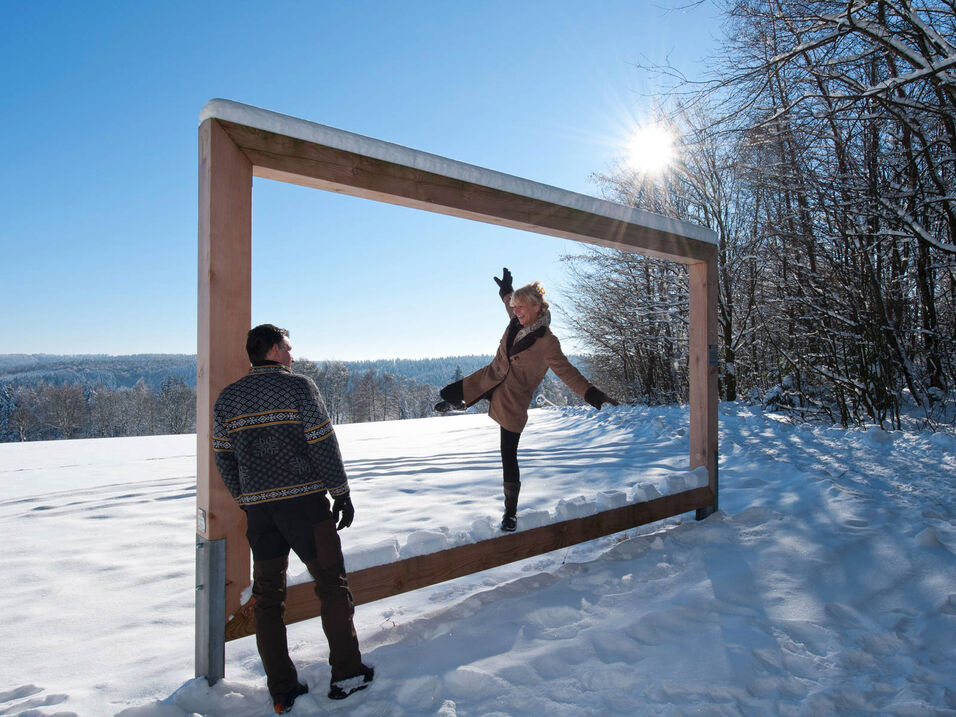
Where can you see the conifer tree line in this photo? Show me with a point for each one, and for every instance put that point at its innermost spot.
(822, 152)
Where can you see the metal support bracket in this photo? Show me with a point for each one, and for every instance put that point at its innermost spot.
(210, 609)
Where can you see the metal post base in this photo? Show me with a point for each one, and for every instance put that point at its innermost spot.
(210, 609)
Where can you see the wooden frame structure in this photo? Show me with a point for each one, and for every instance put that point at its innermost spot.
(238, 142)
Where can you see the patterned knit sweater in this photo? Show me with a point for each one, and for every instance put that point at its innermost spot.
(273, 439)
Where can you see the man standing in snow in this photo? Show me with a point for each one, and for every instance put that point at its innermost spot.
(277, 454)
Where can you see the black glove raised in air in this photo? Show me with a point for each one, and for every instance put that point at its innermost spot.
(505, 286)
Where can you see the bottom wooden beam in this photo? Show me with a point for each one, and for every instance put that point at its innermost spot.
(381, 581)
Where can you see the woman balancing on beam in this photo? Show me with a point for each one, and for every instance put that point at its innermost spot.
(526, 352)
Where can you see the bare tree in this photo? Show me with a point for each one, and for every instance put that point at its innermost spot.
(859, 100)
(177, 406)
(332, 379)
(823, 153)
(21, 404)
(105, 417)
(631, 313)
(365, 398)
(62, 408)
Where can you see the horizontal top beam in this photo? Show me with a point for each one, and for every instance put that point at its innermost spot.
(293, 150)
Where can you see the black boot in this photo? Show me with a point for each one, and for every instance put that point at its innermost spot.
(509, 521)
(283, 703)
(446, 406)
(342, 688)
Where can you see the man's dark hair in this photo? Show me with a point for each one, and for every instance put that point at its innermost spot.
(261, 339)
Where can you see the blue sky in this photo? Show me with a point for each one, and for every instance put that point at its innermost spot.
(99, 117)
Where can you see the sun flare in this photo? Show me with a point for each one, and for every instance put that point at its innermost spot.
(650, 149)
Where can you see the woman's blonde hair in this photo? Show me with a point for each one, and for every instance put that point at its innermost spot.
(532, 293)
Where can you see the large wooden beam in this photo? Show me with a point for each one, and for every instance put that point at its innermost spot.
(382, 581)
(292, 150)
(299, 162)
(703, 371)
(225, 306)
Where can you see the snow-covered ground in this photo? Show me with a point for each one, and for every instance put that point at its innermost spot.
(825, 585)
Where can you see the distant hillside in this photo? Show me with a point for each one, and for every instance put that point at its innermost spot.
(431, 371)
(117, 372)
(125, 371)
(44, 397)
(93, 370)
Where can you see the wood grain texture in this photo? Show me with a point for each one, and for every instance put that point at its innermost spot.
(703, 369)
(225, 305)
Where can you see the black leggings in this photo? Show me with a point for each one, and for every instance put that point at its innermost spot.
(509, 456)
(453, 393)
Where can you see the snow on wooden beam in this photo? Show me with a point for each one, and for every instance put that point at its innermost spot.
(292, 150)
(381, 581)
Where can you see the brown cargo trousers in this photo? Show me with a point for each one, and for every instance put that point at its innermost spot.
(305, 526)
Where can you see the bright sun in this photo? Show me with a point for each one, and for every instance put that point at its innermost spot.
(650, 149)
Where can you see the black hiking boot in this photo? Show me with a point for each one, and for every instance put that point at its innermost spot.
(284, 703)
(509, 521)
(446, 406)
(340, 689)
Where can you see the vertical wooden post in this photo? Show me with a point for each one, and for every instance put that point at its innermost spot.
(225, 306)
(703, 372)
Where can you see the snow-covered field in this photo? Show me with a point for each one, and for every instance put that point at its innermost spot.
(825, 585)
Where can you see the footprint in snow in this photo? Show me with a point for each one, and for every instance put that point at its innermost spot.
(25, 699)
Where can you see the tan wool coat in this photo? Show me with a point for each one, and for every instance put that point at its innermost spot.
(508, 382)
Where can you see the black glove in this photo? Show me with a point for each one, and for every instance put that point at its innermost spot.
(343, 504)
(505, 286)
(597, 398)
